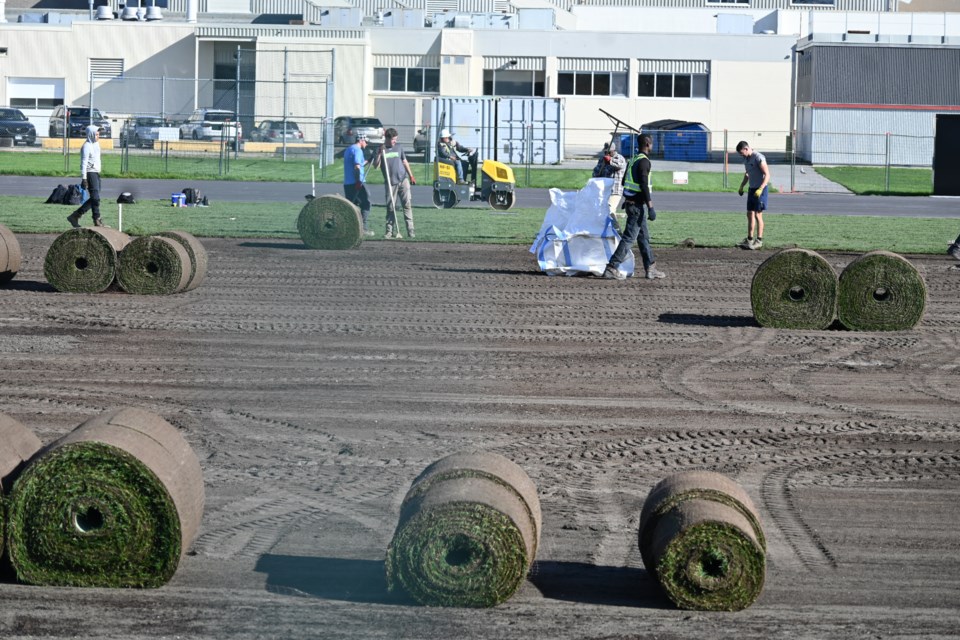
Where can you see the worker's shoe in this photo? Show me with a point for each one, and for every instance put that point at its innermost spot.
(757, 244)
(368, 233)
(747, 243)
(612, 273)
(653, 273)
(97, 222)
(410, 233)
(954, 250)
(74, 220)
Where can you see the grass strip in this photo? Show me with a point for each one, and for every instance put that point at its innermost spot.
(468, 533)
(152, 265)
(794, 289)
(881, 291)
(196, 253)
(330, 222)
(114, 503)
(701, 536)
(84, 260)
(10, 255)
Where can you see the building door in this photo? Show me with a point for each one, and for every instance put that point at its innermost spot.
(946, 155)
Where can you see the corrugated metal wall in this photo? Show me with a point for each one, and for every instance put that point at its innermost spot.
(427, 61)
(859, 136)
(673, 66)
(523, 64)
(593, 64)
(858, 74)
(841, 5)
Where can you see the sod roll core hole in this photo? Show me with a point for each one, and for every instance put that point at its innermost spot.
(81, 264)
(88, 520)
(462, 552)
(881, 295)
(797, 294)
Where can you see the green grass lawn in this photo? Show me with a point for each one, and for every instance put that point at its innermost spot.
(297, 168)
(871, 181)
(485, 225)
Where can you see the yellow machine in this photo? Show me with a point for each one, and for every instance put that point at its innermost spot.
(496, 184)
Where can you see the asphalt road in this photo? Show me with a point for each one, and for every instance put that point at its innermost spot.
(813, 203)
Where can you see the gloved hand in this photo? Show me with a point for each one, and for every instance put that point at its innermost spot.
(412, 179)
(758, 192)
(740, 191)
(83, 184)
(651, 214)
(606, 159)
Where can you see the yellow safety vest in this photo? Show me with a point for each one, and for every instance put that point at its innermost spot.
(628, 182)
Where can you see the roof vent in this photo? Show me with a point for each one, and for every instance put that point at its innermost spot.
(153, 13)
(104, 12)
(128, 13)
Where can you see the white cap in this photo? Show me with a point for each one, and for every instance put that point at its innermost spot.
(444, 133)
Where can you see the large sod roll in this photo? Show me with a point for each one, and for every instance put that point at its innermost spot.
(17, 445)
(153, 265)
(10, 255)
(881, 291)
(84, 260)
(468, 532)
(794, 289)
(196, 252)
(330, 222)
(701, 536)
(114, 503)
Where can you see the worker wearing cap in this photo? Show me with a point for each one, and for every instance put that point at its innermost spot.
(447, 151)
(354, 179)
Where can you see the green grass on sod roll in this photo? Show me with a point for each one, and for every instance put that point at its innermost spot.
(794, 289)
(881, 291)
(712, 566)
(153, 265)
(458, 555)
(330, 222)
(84, 260)
(89, 514)
(10, 255)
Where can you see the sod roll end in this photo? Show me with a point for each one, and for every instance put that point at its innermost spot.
(114, 503)
(84, 260)
(197, 254)
(701, 537)
(10, 255)
(881, 291)
(330, 222)
(153, 265)
(468, 532)
(794, 289)
(17, 445)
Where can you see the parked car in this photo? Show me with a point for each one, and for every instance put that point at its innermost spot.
(77, 122)
(275, 131)
(212, 124)
(347, 128)
(13, 124)
(141, 131)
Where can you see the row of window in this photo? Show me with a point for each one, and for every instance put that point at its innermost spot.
(507, 82)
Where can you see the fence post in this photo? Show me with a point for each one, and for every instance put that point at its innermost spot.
(887, 166)
(529, 154)
(725, 161)
(793, 160)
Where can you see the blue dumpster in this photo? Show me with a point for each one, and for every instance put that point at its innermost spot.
(679, 140)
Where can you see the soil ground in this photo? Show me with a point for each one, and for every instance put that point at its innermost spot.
(315, 386)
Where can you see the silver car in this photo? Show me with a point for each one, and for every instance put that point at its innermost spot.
(141, 131)
(212, 124)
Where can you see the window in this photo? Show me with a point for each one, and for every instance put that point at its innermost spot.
(505, 82)
(673, 85)
(35, 103)
(591, 83)
(414, 79)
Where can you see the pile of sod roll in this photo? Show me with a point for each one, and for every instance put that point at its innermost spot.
(468, 532)
(330, 222)
(700, 536)
(798, 289)
(114, 503)
(10, 255)
(92, 259)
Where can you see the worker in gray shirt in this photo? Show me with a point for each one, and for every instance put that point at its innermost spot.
(757, 175)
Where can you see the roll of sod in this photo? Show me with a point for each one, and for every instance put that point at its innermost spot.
(17, 445)
(153, 265)
(10, 255)
(468, 532)
(330, 222)
(114, 503)
(881, 291)
(196, 252)
(794, 289)
(700, 535)
(84, 260)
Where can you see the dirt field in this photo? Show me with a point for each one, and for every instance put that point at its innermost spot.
(315, 386)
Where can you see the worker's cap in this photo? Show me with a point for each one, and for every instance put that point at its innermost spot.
(445, 133)
(361, 136)
(612, 148)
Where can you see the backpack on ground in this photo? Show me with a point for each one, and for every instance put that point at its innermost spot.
(192, 196)
(58, 196)
(74, 195)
